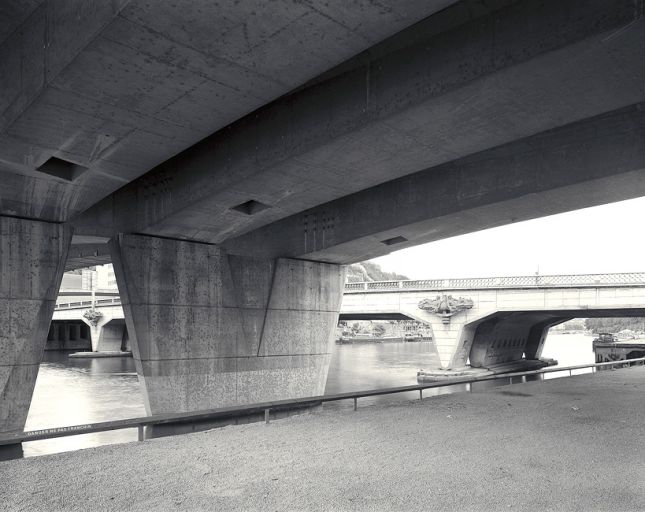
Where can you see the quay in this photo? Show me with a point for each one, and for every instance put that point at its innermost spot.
(560, 444)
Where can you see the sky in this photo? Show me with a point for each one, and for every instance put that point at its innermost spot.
(602, 239)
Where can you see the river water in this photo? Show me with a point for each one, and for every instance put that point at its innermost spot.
(79, 391)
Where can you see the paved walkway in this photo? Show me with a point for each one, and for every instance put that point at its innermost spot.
(566, 444)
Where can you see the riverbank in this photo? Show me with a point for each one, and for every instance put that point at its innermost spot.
(561, 444)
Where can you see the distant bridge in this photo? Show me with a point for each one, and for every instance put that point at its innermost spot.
(495, 320)
(508, 320)
(71, 329)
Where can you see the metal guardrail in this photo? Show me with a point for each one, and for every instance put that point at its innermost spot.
(546, 281)
(266, 407)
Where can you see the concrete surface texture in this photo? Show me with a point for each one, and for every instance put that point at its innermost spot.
(210, 330)
(118, 87)
(569, 444)
(125, 117)
(503, 322)
(439, 91)
(586, 163)
(32, 259)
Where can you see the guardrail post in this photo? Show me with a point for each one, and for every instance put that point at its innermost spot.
(570, 373)
(355, 403)
(267, 415)
(421, 394)
(141, 436)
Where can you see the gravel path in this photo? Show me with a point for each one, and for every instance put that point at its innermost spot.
(564, 444)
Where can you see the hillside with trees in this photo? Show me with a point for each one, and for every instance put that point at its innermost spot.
(614, 325)
(368, 271)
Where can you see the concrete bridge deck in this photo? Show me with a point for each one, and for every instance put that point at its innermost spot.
(563, 444)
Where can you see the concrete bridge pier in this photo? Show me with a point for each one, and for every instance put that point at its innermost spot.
(32, 261)
(537, 336)
(209, 329)
(107, 334)
(507, 337)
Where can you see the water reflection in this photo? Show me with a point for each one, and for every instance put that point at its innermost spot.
(78, 391)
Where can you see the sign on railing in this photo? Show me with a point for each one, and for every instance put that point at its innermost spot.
(476, 283)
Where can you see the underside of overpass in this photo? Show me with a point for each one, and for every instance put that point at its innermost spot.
(229, 158)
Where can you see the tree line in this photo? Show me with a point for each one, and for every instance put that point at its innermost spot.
(596, 325)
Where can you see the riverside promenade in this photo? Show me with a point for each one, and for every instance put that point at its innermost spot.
(561, 444)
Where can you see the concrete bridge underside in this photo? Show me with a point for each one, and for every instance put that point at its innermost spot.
(230, 173)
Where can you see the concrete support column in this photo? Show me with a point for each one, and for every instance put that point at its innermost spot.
(210, 330)
(506, 337)
(95, 329)
(537, 337)
(32, 261)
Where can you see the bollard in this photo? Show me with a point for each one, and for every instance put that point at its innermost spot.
(421, 394)
(266, 415)
(570, 373)
(140, 433)
(355, 403)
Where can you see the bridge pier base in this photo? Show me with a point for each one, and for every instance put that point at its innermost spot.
(32, 261)
(107, 335)
(211, 330)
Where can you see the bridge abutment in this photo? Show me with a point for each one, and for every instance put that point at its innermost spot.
(211, 330)
(32, 257)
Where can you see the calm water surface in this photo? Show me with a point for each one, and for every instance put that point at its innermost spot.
(78, 391)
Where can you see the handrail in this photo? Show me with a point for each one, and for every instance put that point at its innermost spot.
(82, 305)
(160, 419)
(534, 281)
(545, 281)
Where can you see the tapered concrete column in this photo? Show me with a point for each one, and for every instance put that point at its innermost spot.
(32, 261)
(210, 330)
(96, 329)
(537, 337)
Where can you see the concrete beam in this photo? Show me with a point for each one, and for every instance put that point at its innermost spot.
(32, 260)
(83, 255)
(583, 164)
(472, 77)
(117, 87)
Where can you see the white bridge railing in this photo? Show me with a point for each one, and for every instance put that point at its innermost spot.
(475, 283)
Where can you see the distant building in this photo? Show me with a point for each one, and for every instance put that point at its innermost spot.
(100, 277)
